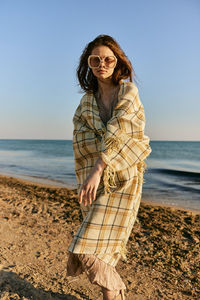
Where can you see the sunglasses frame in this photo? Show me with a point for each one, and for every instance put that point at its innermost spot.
(101, 60)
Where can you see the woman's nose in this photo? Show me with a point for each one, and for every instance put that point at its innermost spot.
(102, 63)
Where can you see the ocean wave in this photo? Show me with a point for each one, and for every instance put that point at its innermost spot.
(177, 173)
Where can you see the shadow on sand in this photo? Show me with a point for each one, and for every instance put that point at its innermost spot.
(12, 286)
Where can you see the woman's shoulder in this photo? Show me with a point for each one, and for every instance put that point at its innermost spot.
(84, 106)
(86, 97)
(130, 87)
(128, 90)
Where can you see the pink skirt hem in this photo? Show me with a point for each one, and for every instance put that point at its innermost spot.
(97, 271)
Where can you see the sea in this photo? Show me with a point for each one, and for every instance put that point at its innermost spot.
(172, 176)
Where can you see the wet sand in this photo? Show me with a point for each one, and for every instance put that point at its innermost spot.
(37, 223)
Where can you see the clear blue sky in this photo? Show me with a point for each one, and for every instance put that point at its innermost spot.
(41, 42)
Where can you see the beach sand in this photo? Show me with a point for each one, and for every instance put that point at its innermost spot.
(37, 223)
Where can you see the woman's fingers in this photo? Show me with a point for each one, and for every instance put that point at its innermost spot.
(90, 196)
(86, 196)
(89, 189)
(94, 194)
(80, 196)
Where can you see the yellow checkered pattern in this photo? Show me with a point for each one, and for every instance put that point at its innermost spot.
(123, 147)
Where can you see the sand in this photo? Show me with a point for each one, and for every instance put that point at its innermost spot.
(37, 223)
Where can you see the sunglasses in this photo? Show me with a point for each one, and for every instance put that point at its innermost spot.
(94, 61)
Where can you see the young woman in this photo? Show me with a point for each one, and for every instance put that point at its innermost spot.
(109, 149)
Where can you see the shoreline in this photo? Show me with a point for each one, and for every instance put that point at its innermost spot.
(172, 207)
(39, 180)
(50, 184)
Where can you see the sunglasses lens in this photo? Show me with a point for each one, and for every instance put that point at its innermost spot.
(110, 61)
(94, 61)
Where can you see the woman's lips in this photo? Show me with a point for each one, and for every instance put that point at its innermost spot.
(102, 71)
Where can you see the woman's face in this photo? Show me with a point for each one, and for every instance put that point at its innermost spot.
(103, 72)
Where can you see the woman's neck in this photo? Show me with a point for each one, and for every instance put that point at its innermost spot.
(106, 89)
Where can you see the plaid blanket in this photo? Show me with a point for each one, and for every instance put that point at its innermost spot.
(123, 147)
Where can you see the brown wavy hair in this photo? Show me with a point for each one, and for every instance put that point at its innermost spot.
(123, 69)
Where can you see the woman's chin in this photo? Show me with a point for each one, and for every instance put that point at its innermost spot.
(104, 77)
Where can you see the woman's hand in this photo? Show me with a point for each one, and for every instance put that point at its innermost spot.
(89, 188)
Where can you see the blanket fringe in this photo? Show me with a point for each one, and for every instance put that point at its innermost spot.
(109, 179)
(123, 252)
(142, 167)
(113, 143)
